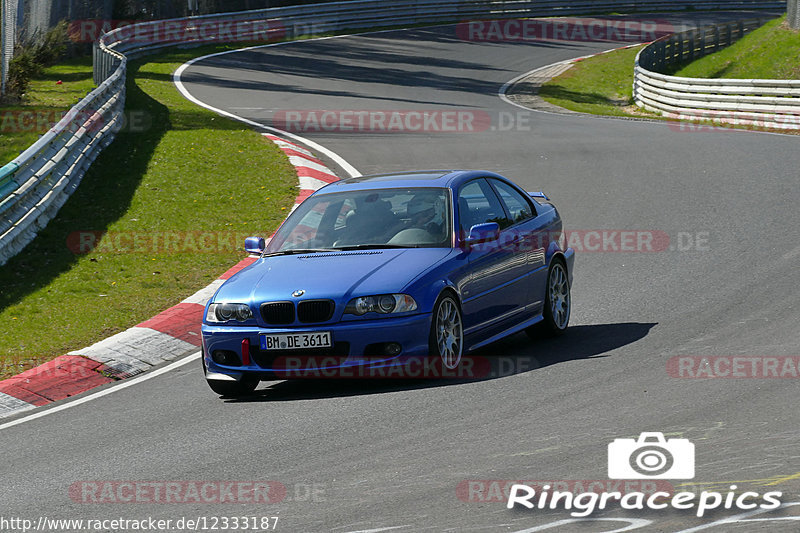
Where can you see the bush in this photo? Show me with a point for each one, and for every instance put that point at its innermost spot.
(31, 58)
(51, 48)
(21, 69)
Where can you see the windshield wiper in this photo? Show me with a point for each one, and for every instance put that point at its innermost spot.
(375, 246)
(294, 251)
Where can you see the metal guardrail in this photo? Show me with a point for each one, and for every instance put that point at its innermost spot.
(765, 103)
(35, 185)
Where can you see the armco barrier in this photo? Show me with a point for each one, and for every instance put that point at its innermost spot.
(35, 185)
(764, 103)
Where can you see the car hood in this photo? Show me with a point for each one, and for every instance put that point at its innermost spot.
(329, 275)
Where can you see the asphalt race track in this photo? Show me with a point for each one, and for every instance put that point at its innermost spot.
(392, 454)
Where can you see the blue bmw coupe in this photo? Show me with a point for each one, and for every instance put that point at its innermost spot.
(378, 269)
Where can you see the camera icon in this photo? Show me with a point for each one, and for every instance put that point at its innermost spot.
(651, 457)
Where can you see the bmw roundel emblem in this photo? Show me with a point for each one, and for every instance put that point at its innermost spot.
(298, 293)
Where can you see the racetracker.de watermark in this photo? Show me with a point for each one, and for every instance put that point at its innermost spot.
(602, 241)
(195, 492)
(177, 492)
(428, 121)
(42, 120)
(708, 121)
(734, 367)
(565, 29)
(333, 367)
(209, 242)
(155, 242)
(498, 490)
(177, 31)
(406, 367)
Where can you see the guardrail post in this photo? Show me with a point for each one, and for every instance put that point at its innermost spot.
(702, 49)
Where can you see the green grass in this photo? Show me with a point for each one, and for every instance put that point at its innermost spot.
(771, 52)
(44, 104)
(601, 85)
(189, 170)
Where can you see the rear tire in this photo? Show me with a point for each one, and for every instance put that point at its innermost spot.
(557, 303)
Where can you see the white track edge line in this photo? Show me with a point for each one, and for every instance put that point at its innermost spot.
(176, 78)
(105, 392)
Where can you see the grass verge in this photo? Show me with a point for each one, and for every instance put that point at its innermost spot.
(44, 104)
(176, 172)
(602, 85)
(769, 53)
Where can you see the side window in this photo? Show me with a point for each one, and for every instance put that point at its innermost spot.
(517, 205)
(477, 204)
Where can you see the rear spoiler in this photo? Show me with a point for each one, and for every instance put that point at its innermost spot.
(539, 194)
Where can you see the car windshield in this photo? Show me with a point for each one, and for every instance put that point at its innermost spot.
(385, 218)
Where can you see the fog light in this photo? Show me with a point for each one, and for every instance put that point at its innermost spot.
(393, 349)
(225, 357)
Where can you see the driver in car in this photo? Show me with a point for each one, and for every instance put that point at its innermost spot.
(425, 225)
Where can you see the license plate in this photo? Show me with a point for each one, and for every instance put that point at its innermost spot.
(296, 341)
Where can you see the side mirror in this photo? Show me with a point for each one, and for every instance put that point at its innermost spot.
(255, 245)
(488, 232)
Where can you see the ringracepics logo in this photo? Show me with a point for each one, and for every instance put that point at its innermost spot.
(651, 456)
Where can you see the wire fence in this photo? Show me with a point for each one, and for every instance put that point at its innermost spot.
(9, 19)
(26, 21)
(793, 14)
(38, 16)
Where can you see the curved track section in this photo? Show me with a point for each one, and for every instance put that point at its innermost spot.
(398, 454)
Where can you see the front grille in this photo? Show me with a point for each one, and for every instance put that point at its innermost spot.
(309, 311)
(278, 312)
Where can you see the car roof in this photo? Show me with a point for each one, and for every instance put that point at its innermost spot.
(411, 179)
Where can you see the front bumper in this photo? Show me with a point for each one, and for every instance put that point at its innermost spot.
(569, 256)
(352, 343)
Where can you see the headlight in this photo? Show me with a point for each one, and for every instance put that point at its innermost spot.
(382, 303)
(225, 312)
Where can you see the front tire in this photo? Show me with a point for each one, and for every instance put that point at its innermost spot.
(230, 389)
(447, 331)
(234, 389)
